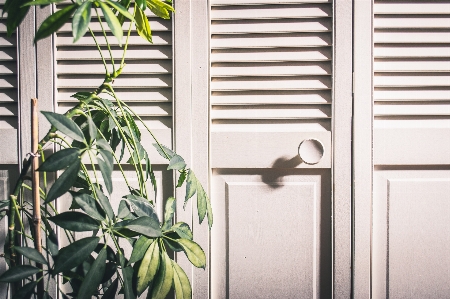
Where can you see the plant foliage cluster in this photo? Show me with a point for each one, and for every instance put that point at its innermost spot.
(92, 139)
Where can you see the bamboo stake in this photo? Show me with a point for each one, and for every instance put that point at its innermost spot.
(35, 187)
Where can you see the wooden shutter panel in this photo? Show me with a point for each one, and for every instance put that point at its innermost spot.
(145, 83)
(8, 94)
(271, 65)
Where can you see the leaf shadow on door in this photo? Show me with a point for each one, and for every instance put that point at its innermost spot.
(273, 179)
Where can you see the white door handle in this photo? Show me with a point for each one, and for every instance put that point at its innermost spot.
(311, 151)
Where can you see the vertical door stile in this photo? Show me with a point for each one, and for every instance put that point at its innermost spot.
(362, 148)
(342, 151)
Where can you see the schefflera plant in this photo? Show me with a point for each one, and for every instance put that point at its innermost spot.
(100, 129)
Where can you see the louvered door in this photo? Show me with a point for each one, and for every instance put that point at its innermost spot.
(271, 67)
(411, 152)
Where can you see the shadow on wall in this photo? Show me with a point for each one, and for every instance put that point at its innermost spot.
(272, 179)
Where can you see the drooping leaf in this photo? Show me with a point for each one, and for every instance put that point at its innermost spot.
(181, 179)
(46, 295)
(52, 239)
(54, 22)
(127, 274)
(142, 24)
(176, 162)
(144, 225)
(164, 278)
(138, 154)
(18, 273)
(82, 95)
(191, 186)
(92, 130)
(110, 270)
(74, 254)
(26, 291)
(16, 13)
(194, 252)
(64, 124)
(169, 239)
(89, 205)
(81, 20)
(164, 151)
(160, 8)
(104, 202)
(122, 10)
(181, 282)
(112, 290)
(148, 268)
(94, 276)
(209, 212)
(169, 212)
(31, 254)
(201, 202)
(139, 249)
(61, 159)
(64, 182)
(141, 206)
(112, 21)
(75, 221)
(183, 230)
(123, 211)
(141, 4)
(106, 168)
(103, 144)
(4, 204)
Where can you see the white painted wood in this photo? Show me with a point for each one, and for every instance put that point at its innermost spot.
(268, 55)
(271, 97)
(271, 12)
(267, 83)
(270, 69)
(271, 40)
(246, 2)
(411, 22)
(266, 26)
(411, 8)
(415, 108)
(413, 51)
(416, 94)
(268, 112)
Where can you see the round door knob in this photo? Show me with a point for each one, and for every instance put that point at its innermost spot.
(311, 151)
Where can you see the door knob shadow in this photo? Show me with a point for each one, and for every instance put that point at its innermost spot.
(273, 177)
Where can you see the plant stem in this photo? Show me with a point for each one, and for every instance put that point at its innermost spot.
(125, 47)
(100, 51)
(107, 42)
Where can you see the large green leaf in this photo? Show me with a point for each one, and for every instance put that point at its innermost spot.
(81, 20)
(194, 252)
(164, 279)
(106, 165)
(54, 22)
(89, 205)
(74, 254)
(141, 4)
(26, 291)
(183, 230)
(209, 212)
(31, 254)
(112, 21)
(61, 159)
(139, 249)
(141, 206)
(128, 289)
(94, 276)
(164, 151)
(182, 178)
(16, 13)
(124, 211)
(191, 186)
(92, 129)
(122, 10)
(201, 202)
(18, 273)
(169, 212)
(64, 124)
(104, 202)
(75, 221)
(142, 24)
(181, 282)
(144, 225)
(52, 239)
(160, 8)
(64, 182)
(176, 162)
(148, 268)
(112, 290)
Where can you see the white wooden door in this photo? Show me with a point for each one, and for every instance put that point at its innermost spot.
(410, 215)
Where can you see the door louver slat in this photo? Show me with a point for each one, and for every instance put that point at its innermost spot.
(271, 65)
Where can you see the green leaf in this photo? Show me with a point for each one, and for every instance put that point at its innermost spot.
(18, 273)
(201, 202)
(181, 179)
(54, 22)
(112, 290)
(94, 276)
(75, 221)
(176, 162)
(4, 204)
(64, 124)
(112, 21)
(122, 10)
(74, 254)
(82, 95)
(52, 239)
(148, 268)
(159, 8)
(61, 159)
(89, 205)
(164, 278)
(92, 130)
(103, 144)
(181, 282)
(141, 4)
(193, 252)
(16, 14)
(183, 230)
(127, 274)
(169, 212)
(41, 2)
(104, 202)
(106, 167)
(191, 186)
(110, 270)
(141, 206)
(81, 20)
(144, 225)
(142, 24)
(139, 249)
(64, 182)
(46, 295)
(163, 151)
(209, 212)
(123, 211)
(26, 291)
(138, 154)
(31, 254)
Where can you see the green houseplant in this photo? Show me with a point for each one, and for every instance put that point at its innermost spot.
(99, 129)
